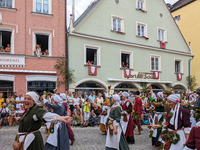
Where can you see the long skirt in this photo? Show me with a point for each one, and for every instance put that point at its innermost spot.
(62, 139)
(116, 141)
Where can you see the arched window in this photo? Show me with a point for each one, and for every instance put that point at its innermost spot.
(156, 87)
(125, 87)
(178, 88)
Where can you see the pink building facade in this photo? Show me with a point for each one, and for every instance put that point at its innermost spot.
(25, 24)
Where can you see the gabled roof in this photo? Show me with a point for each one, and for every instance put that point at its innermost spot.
(179, 4)
(86, 12)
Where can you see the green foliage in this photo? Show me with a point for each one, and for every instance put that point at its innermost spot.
(66, 73)
(144, 87)
(191, 81)
(168, 85)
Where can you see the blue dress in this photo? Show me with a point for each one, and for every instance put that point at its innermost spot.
(63, 136)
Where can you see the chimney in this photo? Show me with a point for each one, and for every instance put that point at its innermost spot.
(73, 10)
(169, 6)
(71, 26)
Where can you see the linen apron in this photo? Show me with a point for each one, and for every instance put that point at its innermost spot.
(124, 124)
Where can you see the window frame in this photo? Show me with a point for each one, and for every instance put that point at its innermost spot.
(118, 18)
(130, 58)
(144, 4)
(142, 24)
(165, 34)
(159, 62)
(181, 65)
(50, 7)
(49, 42)
(13, 5)
(12, 40)
(98, 48)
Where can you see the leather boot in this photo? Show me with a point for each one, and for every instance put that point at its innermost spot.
(138, 132)
(141, 129)
(72, 141)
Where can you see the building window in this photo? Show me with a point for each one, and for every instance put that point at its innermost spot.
(42, 44)
(155, 63)
(42, 6)
(6, 3)
(5, 41)
(178, 65)
(162, 35)
(117, 24)
(141, 5)
(92, 56)
(126, 59)
(141, 30)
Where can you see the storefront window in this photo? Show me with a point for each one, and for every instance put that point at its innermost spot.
(125, 87)
(179, 88)
(40, 86)
(6, 87)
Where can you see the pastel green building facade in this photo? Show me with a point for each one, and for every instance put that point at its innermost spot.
(94, 30)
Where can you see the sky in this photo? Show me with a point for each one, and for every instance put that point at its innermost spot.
(81, 5)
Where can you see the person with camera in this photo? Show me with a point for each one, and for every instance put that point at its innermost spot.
(10, 101)
(4, 114)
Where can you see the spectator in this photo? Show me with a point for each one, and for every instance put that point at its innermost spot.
(18, 101)
(2, 49)
(86, 111)
(4, 114)
(95, 116)
(70, 100)
(123, 66)
(12, 117)
(88, 63)
(10, 101)
(92, 63)
(99, 100)
(46, 52)
(22, 110)
(8, 49)
(76, 101)
(37, 50)
(127, 66)
(143, 101)
(79, 113)
(86, 96)
(1, 100)
(82, 100)
(92, 97)
(73, 93)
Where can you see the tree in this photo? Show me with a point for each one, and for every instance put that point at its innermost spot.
(191, 81)
(67, 74)
(144, 87)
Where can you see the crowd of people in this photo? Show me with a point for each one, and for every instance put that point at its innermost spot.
(169, 116)
(38, 51)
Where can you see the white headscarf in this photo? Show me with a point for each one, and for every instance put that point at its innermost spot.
(63, 96)
(116, 98)
(33, 95)
(175, 98)
(160, 94)
(57, 99)
(125, 94)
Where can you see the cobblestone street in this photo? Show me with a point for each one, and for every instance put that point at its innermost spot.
(86, 139)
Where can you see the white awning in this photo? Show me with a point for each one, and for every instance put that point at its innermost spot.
(128, 80)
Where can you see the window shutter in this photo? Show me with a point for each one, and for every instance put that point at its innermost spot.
(95, 58)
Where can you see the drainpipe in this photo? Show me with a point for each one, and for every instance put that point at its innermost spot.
(66, 41)
(192, 57)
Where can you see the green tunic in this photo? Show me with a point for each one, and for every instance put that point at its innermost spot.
(116, 115)
(28, 124)
(160, 108)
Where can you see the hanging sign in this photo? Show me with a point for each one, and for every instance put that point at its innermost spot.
(92, 70)
(156, 75)
(127, 73)
(179, 76)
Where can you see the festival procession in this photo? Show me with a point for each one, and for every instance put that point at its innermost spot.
(99, 74)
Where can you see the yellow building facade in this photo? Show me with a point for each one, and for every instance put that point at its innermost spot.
(187, 17)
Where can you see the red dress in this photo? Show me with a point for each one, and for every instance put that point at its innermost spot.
(129, 131)
(194, 139)
(138, 106)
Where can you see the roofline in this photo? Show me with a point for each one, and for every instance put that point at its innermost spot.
(92, 37)
(181, 6)
(189, 50)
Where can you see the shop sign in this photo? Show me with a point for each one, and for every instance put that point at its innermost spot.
(12, 61)
(140, 75)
